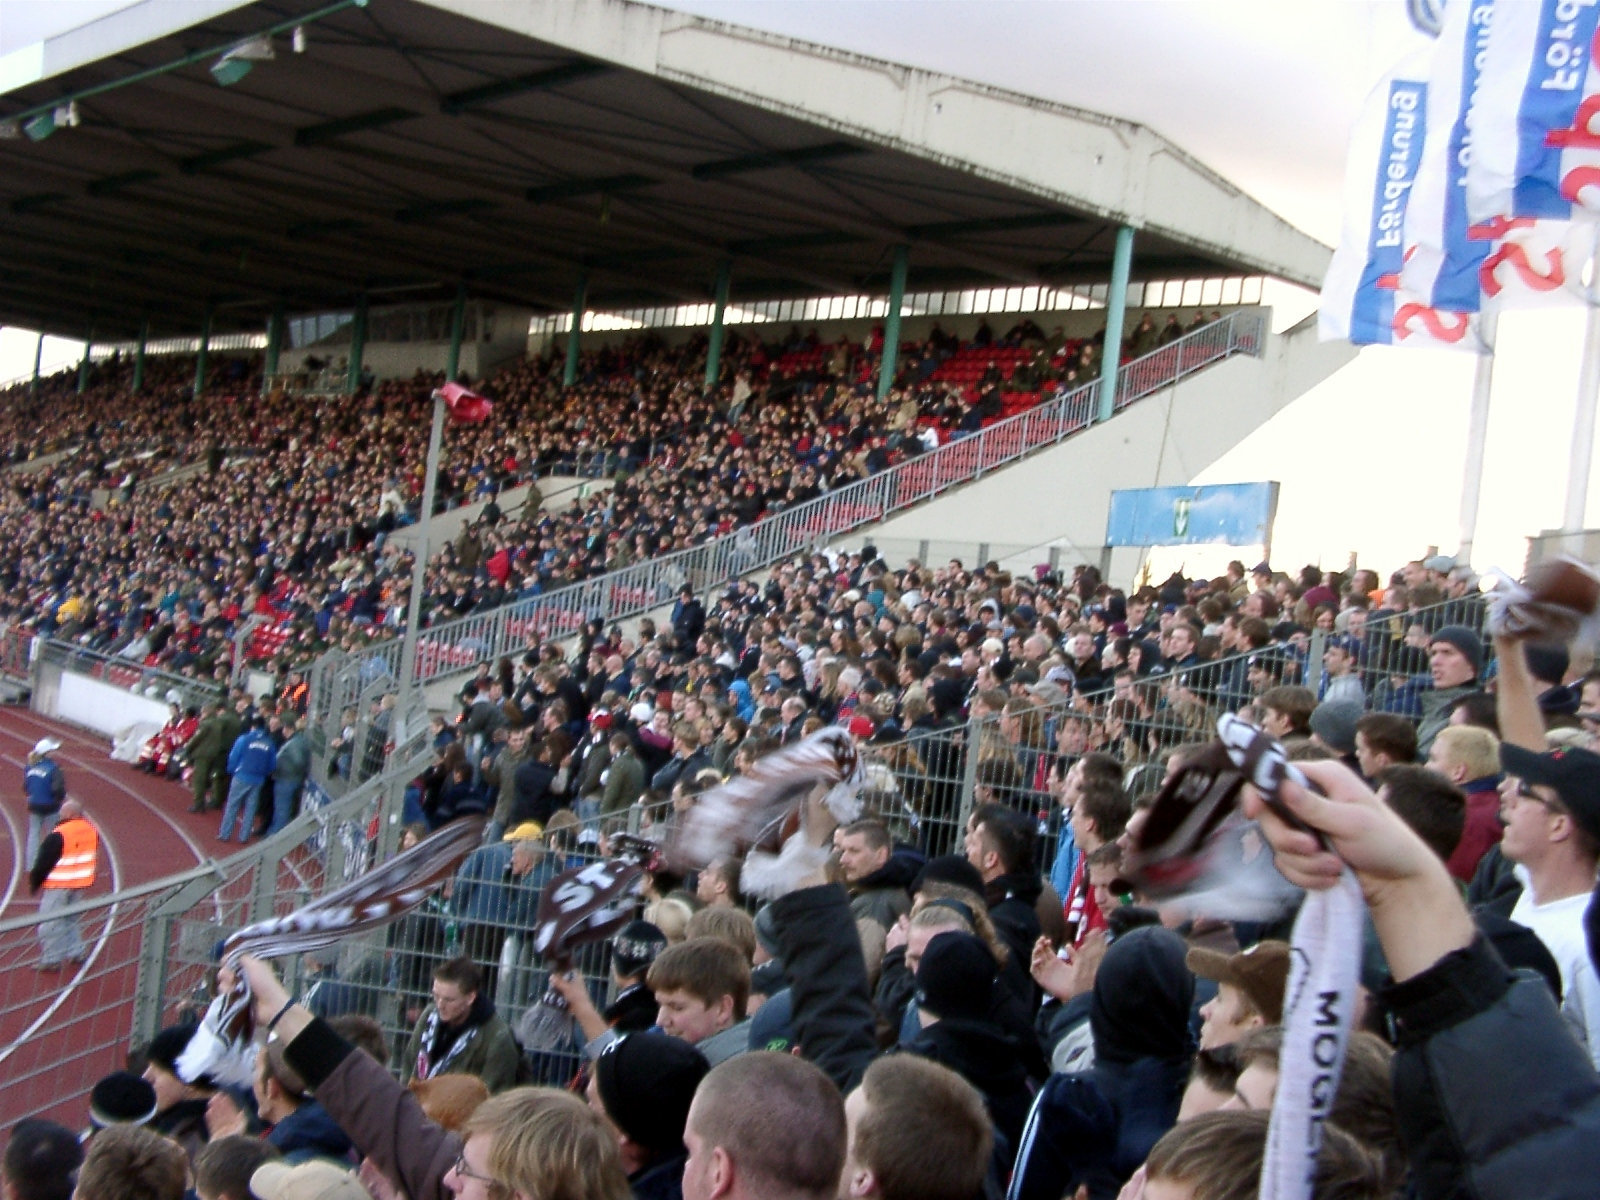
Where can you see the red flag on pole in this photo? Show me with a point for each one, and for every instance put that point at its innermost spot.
(465, 406)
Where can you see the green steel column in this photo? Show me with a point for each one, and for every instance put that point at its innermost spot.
(714, 349)
(138, 356)
(274, 343)
(38, 357)
(891, 323)
(1116, 308)
(458, 326)
(202, 355)
(358, 345)
(83, 365)
(569, 374)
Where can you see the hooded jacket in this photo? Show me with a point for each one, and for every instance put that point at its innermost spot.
(1096, 1127)
(987, 1059)
(309, 1132)
(885, 895)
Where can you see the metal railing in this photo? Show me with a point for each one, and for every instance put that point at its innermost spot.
(457, 645)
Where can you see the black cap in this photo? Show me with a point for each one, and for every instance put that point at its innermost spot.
(646, 1082)
(168, 1045)
(121, 1098)
(635, 946)
(955, 978)
(1573, 773)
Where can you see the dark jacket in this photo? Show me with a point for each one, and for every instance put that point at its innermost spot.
(532, 799)
(832, 1007)
(309, 1132)
(1098, 1126)
(660, 1181)
(491, 1055)
(1012, 903)
(381, 1116)
(1472, 1036)
(988, 1060)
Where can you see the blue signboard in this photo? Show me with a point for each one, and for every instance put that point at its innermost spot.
(1229, 514)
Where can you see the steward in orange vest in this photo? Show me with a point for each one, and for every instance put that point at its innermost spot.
(68, 856)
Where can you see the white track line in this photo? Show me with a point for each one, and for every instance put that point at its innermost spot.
(18, 867)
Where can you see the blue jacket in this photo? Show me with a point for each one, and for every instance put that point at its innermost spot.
(486, 893)
(45, 786)
(253, 756)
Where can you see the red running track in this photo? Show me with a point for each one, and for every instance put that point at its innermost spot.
(62, 1031)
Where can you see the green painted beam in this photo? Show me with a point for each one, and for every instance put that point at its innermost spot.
(328, 131)
(458, 326)
(569, 373)
(714, 346)
(891, 324)
(138, 356)
(197, 164)
(358, 345)
(275, 328)
(1116, 311)
(204, 353)
(569, 189)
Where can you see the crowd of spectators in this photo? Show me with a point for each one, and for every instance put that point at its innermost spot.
(982, 1009)
(288, 513)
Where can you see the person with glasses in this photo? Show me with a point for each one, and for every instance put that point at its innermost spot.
(524, 1144)
(461, 1031)
(1550, 804)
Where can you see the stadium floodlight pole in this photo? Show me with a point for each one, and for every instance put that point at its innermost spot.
(408, 643)
(1477, 437)
(188, 60)
(580, 299)
(1583, 419)
(718, 313)
(204, 353)
(1116, 309)
(891, 322)
(358, 346)
(138, 356)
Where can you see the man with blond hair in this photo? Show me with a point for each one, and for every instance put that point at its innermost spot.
(1469, 757)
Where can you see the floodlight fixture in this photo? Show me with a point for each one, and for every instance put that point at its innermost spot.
(299, 39)
(40, 126)
(237, 61)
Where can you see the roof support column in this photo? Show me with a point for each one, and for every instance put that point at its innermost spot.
(274, 344)
(358, 345)
(138, 356)
(569, 374)
(458, 326)
(203, 354)
(714, 348)
(891, 324)
(1116, 310)
(38, 358)
(83, 364)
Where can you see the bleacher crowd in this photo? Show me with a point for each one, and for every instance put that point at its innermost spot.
(287, 506)
(969, 998)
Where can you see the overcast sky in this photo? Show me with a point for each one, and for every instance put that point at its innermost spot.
(1265, 92)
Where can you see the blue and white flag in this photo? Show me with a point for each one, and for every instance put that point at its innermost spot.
(1443, 258)
(1536, 120)
(1362, 300)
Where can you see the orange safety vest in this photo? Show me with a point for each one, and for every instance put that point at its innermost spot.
(80, 850)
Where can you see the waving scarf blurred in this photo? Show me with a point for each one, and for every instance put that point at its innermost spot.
(222, 1045)
(759, 813)
(1196, 850)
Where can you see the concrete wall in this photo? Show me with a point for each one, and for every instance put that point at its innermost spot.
(1061, 497)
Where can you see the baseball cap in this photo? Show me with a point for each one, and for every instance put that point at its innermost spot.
(46, 745)
(314, 1180)
(1573, 773)
(1261, 973)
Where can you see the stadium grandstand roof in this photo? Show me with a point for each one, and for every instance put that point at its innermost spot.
(521, 147)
